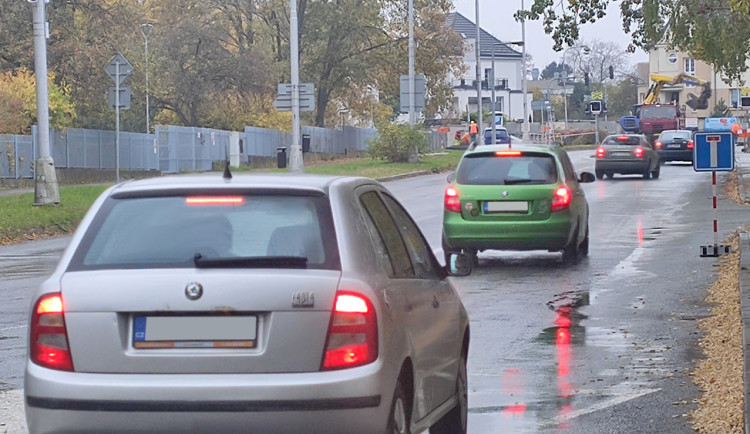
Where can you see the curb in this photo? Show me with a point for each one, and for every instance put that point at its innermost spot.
(404, 175)
(744, 284)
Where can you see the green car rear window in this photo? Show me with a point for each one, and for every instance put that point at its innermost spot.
(492, 169)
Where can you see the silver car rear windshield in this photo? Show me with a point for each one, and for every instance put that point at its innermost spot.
(210, 230)
(507, 168)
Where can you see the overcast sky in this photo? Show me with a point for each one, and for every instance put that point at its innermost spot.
(496, 17)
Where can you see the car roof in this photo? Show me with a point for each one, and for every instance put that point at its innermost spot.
(524, 146)
(677, 131)
(242, 181)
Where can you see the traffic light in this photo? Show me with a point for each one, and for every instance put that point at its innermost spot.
(611, 72)
(595, 107)
(586, 78)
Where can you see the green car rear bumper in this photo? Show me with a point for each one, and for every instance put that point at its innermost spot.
(551, 234)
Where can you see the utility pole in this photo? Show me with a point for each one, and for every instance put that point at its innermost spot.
(46, 191)
(479, 78)
(492, 104)
(146, 30)
(523, 80)
(412, 102)
(296, 163)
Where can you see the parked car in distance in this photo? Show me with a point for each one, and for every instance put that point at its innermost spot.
(265, 303)
(626, 154)
(675, 145)
(524, 197)
(501, 135)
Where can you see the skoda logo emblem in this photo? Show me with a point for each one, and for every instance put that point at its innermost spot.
(193, 291)
(505, 194)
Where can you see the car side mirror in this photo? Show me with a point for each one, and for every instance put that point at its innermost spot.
(586, 177)
(450, 177)
(458, 265)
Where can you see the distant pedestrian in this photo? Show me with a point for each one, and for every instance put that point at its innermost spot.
(473, 130)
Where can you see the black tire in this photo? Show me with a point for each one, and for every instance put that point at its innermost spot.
(399, 418)
(583, 248)
(570, 252)
(455, 421)
(656, 172)
(446, 250)
(599, 174)
(472, 254)
(647, 171)
(610, 175)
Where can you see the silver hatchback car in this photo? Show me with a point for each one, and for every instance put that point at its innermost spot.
(260, 303)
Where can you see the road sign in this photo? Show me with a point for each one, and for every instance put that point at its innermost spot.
(597, 95)
(304, 88)
(283, 102)
(713, 152)
(419, 89)
(125, 68)
(124, 97)
(540, 105)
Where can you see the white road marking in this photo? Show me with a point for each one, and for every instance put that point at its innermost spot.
(600, 406)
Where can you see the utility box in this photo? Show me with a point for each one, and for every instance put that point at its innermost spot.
(305, 143)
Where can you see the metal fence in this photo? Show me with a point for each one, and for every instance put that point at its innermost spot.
(174, 149)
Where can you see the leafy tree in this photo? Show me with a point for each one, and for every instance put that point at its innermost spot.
(721, 110)
(717, 32)
(18, 103)
(553, 68)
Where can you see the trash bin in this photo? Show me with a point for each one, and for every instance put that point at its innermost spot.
(281, 157)
(305, 143)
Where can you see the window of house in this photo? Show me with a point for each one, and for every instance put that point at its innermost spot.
(689, 65)
(734, 98)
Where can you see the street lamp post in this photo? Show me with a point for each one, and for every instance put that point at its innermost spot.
(523, 80)
(146, 30)
(479, 75)
(565, 79)
(46, 190)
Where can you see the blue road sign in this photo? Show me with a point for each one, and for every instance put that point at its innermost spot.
(713, 152)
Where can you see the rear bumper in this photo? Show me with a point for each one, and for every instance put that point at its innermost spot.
(353, 400)
(551, 234)
(624, 167)
(676, 155)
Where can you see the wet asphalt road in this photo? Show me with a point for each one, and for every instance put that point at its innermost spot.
(602, 346)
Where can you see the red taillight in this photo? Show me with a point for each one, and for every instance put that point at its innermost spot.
(452, 201)
(49, 338)
(690, 144)
(638, 152)
(658, 144)
(600, 152)
(353, 333)
(561, 200)
(215, 200)
(623, 138)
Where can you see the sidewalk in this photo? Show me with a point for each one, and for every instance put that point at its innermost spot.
(742, 163)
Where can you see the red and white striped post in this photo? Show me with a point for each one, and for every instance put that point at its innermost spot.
(716, 214)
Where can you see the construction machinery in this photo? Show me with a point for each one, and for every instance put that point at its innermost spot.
(653, 117)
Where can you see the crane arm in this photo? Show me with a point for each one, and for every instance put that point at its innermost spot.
(661, 80)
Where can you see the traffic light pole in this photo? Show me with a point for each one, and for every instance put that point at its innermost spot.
(596, 127)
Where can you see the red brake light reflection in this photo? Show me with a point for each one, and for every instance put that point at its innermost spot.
(215, 200)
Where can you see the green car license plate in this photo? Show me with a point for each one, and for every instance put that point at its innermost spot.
(506, 206)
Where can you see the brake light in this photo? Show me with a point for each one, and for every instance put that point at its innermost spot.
(452, 201)
(508, 153)
(561, 199)
(658, 144)
(623, 138)
(353, 333)
(600, 152)
(49, 337)
(638, 152)
(215, 200)
(690, 144)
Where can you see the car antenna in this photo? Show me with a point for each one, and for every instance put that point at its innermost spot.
(227, 174)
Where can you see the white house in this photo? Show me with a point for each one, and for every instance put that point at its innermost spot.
(508, 66)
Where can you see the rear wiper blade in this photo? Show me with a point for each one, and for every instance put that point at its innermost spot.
(251, 262)
(518, 181)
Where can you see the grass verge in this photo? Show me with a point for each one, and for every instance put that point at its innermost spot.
(21, 221)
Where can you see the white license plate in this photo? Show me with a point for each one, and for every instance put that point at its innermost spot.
(506, 206)
(194, 331)
(621, 154)
(674, 145)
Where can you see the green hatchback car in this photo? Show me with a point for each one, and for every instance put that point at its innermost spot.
(527, 197)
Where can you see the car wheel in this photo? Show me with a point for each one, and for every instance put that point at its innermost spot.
(647, 171)
(471, 253)
(570, 252)
(400, 414)
(446, 250)
(599, 174)
(610, 175)
(656, 172)
(583, 249)
(455, 421)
